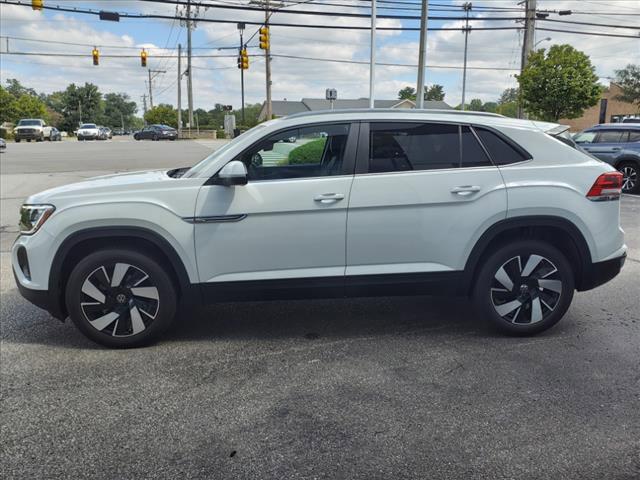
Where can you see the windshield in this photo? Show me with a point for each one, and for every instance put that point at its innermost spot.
(89, 125)
(23, 123)
(199, 167)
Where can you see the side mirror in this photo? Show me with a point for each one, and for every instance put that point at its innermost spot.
(233, 173)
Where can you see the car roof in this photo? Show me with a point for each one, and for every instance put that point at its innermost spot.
(406, 114)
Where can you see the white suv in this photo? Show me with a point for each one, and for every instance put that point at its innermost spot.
(349, 203)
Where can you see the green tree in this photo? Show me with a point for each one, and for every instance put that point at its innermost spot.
(16, 89)
(629, 80)
(491, 107)
(560, 84)
(7, 106)
(508, 109)
(407, 93)
(434, 92)
(163, 114)
(475, 105)
(508, 95)
(119, 109)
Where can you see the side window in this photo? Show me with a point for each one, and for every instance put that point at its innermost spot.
(472, 154)
(397, 147)
(610, 136)
(585, 137)
(501, 152)
(634, 136)
(313, 151)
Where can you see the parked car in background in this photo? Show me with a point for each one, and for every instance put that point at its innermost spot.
(89, 131)
(55, 135)
(3, 145)
(31, 129)
(366, 203)
(618, 144)
(108, 134)
(156, 132)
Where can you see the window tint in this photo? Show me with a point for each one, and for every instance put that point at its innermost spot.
(299, 153)
(634, 136)
(412, 146)
(472, 153)
(610, 136)
(501, 152)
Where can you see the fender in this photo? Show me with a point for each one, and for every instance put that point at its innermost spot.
(528, 221)
(75, 238)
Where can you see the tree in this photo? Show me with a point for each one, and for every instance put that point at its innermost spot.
(434, 92)
(407, 93)
(162, 114)
(475, 105)
(561, 84)
(7, 106)
(85, 100)
(119, 110)
(16, 89)
(629, 80)
(508, 95)
(491, 107)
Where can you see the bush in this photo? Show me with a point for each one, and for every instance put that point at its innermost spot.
(310, 152)
(6, 133)
(220, 133)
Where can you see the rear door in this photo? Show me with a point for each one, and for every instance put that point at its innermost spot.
(608, 144)
(422, 195)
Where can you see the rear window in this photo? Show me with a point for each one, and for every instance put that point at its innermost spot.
(501, 152)
(472, 154)
(610, 136)
(634, 136)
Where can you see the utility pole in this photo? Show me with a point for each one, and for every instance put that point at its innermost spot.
(122, 121)
(179, 91)
(156, 73)
(423, 54)
(527, 43)
(190, 77)
(144, 104)
(372, 59)
(267, 68)
(80, 111)
(467, 8)
(241, 50)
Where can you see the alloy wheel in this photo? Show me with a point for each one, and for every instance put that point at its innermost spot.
(629, 178)
(526, 289)
(119, 299)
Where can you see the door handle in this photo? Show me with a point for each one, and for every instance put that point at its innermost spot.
(326, 198)
(615, 149)
(465, 190)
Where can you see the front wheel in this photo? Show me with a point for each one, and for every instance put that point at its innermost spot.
(120, 298)
(630, 177)
(524, 288)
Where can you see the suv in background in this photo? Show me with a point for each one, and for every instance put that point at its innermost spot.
(354, 203)
(618, 144)
(32, 129)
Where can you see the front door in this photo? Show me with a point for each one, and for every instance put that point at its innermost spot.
(286, 228)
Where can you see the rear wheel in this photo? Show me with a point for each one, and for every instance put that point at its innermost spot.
(524, 288)
(631, 177)
(120, 298)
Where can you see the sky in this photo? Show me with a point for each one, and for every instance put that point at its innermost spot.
(217, 80)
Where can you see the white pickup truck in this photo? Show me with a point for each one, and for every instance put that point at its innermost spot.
(32, 129)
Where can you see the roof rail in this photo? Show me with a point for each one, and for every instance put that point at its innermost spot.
(409, 111)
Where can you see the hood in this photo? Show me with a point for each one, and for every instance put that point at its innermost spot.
(104, 185)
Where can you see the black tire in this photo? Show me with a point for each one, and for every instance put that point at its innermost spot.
(529, 306)
(146, 304)
(631, 172)
(29, 140)
(136, 137)
(155, 138)
(17, 140)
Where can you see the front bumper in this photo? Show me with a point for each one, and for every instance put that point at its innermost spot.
(27, 135)
(600, 273)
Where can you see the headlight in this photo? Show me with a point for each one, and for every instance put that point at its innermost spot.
(33, 216)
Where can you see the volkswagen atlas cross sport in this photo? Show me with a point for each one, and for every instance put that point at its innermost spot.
(331, 204)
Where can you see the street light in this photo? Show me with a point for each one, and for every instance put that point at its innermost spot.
(548, 39)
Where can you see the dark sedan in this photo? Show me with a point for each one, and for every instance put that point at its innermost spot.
(156, 132)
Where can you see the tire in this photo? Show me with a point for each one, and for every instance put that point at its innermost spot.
(132, 313)
(509, 290)
(29, 140)
(17, 140)
(631, 173)
(155, 138)
(136, 138)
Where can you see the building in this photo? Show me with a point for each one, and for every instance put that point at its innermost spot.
(282, 108)
(607, 110)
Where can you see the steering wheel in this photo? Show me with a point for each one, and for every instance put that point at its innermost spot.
(256, 160)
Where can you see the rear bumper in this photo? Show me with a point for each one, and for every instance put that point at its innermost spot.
(601, 272)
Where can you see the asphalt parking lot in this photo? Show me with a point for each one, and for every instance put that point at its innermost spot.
(387, 388)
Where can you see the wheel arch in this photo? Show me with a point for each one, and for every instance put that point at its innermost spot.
(76, 245)
(627, 158)
(560, 232)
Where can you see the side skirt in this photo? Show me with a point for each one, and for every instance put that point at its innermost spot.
(438, 283)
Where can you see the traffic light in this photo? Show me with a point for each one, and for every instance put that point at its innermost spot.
(264, 38)
(96, 56)
(243, 60)
(37, 4)
(143, 58)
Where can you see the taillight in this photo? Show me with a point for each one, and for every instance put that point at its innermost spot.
(607, 186)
